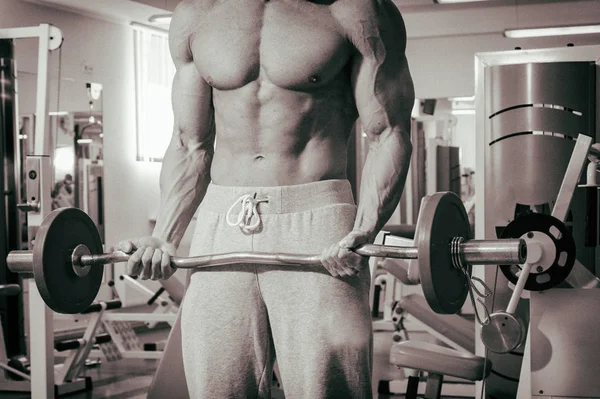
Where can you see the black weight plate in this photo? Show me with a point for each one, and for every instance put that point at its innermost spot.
(442, 217)
(61, 231)
(555, 274)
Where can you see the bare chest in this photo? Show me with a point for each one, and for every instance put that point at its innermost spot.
(293, 44)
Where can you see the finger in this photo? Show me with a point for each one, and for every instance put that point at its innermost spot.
(147, 262)
(338, 263)
(353, 260)
(347, 242)
(126, 246)
(165, 264)
(134, 265)
(326, 262)
(156, 265)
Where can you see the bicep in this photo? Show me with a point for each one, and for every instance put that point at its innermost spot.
(382, 83)
(191, 95)
(192, 106)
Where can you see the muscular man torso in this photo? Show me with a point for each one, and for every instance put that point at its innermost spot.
(280, 76)
(278, 84)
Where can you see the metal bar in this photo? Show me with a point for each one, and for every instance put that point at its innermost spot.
(142, 289)
(571, 178)
(581, 277)
(384, 251)
(494, 252)
(142, 354)
(15, 371)
(71, 373)
(20, 261)
(150, 317)
(594, 154)
(21, 33)
(41, 320)
(481, 252)
(41, 349)
(518, 290)
(10, 289)
(43, 85)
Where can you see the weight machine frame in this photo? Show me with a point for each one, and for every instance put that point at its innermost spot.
(41, 344)
(580, 277)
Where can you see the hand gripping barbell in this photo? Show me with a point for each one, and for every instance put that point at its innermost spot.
(68, 246)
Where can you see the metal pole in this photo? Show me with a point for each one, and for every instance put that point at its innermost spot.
(478, 252)
(42, 342)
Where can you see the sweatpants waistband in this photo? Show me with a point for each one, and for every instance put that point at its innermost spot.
(281, 199)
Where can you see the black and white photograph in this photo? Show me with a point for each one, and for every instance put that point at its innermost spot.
(300, 199)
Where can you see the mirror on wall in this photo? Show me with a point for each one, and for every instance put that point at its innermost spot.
(443, 133)
(443, 136)
(443, 158)
(75, 138)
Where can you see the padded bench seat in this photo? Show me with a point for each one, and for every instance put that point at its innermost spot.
(454, 327)
(437, 359)
(438, 362)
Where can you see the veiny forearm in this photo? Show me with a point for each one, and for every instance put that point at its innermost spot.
(184, 179)
(383, 179)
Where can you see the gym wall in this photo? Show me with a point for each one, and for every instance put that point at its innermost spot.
(442, 44)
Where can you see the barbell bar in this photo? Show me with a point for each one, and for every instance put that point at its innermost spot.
(482, 252)
(68, 246)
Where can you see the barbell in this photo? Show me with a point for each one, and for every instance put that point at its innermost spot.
(68, 247)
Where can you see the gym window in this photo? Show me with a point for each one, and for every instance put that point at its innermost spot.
(154, 72)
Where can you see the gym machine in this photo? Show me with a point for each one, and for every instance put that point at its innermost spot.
(39, 172)
(68, 375)
(550, 260)
(11, 222)
(532, 107)
(8, 372)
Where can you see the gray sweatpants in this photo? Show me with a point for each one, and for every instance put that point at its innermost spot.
(235, 319)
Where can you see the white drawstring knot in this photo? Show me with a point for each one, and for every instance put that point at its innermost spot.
(248, 212)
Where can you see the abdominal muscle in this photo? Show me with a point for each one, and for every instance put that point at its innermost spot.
(270, 136)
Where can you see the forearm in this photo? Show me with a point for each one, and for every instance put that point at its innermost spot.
(184, 179)
(383, 178)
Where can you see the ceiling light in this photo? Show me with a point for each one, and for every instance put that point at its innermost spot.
(462, 99)
(463, 112)
(160, 19)
(555, 31)
(456, 1)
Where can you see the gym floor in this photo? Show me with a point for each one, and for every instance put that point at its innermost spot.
(130, 378)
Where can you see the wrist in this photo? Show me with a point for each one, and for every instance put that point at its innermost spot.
(364, 236)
